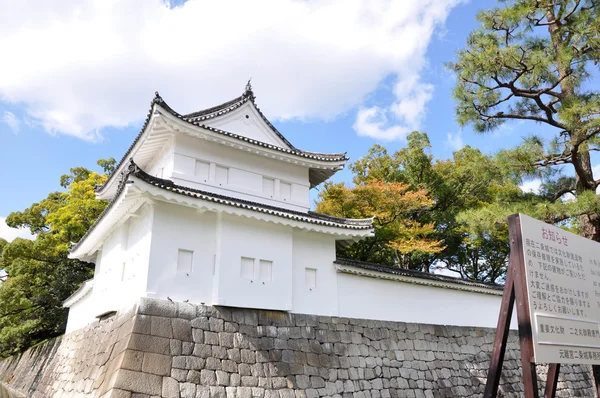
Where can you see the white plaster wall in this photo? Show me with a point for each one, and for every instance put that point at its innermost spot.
(80, 314)
(121, 270)
(162, 165)
(137, 256)
(373, 298)
(314, 251)
(256, 240)
(178, 227)
(245, 175)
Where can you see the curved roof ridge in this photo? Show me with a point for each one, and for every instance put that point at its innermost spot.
(203, 113)
(248, 95)
(233, 104)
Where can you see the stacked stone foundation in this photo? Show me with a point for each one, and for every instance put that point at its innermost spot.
(172, 350)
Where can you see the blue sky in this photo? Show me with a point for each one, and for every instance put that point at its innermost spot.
(71, 106)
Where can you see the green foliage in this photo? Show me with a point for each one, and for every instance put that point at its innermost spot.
(39, 274)
(470, 180)
(533, 61)
(395, 208)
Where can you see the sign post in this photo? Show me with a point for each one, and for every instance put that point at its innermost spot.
(554, 278)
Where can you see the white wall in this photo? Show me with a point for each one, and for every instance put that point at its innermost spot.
(240, 281)
(373, 298)
(314, 276)
(81, 314)
(181, 228)
(162, 165)
(121, 270)
(200, 164)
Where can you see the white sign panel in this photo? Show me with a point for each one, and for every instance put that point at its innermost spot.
(563, 285)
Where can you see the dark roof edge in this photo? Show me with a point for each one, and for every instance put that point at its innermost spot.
(313, 218)
(415, 274)
(364, 223)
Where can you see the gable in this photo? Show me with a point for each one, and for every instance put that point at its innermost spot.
(248, 122)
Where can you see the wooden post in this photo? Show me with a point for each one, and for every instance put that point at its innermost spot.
(502, 330)
(517, 264)
(552, 380)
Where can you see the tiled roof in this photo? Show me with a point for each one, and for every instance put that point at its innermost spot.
(196, 119)
(415, 274)
(235, 103)
(308, 217)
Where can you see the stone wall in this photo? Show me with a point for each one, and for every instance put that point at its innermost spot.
(82, 363)
(182, 350)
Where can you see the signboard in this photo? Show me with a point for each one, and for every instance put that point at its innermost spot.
(562, 272)
(553, 277)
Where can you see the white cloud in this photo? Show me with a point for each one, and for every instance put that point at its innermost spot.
(80, 66)
(12, 121)
(373, 122)
(455, 141)
(9, 233)
(532, 186)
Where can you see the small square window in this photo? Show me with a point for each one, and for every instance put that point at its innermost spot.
(221, 175)
(247, 268)
(202, 170)
(265, 270)
(285, 190)
(184, 260)
(268, 186)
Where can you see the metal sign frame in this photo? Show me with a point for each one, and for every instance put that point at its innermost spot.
(515, 291)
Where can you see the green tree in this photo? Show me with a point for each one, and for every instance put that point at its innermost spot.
(533, 60)
(40, 276)
(399, 236)
(470, 180)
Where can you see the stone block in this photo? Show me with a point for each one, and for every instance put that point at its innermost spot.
(157, 364)
(201, 323)
(249, 381)
(219, 352)
(132, 360)
(213, 363)
(226, 339)
(161, 326)
(187, 347)
(175, 346)
(202, 350)
(182, 329)
(146, 343)
(202, 391)
(170, 388)
(208, 377)
(156, 307)
(186, 311)
(216, 325)
(217, 392)
(138, 382)
(116, 393)
(211, 338)
(179, 374)
(187, 390)
(198, 335)
(141, 324)
(222, 378)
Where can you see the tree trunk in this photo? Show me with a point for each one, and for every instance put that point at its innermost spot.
(580, 154)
